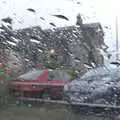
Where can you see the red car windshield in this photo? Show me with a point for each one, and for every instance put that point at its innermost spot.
(30, 75)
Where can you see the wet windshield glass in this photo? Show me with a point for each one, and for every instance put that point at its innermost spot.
(76, 42)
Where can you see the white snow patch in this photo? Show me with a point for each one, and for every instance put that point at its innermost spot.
(16, 40)
(40, 50)
(76, 60)
(27, 60)
(35, 41)
(87, 66)
(1, 30)
(11, 43)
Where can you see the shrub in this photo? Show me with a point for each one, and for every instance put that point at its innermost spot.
(70, 71)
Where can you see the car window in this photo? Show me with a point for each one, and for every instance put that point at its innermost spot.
(51, 76)
(54, 75)
(30, 75)
(64, 75)
(58, 75)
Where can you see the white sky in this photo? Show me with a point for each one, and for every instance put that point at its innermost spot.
(103, 11)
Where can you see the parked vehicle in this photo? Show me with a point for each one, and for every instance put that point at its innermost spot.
(47, 84)
(98, 86)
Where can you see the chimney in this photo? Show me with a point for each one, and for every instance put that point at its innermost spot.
(79, 20)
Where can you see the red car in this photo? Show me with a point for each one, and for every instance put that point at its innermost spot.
(47, 84)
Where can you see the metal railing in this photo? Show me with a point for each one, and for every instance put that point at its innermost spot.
(63, 102)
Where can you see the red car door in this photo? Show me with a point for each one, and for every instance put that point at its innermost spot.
(56, 81)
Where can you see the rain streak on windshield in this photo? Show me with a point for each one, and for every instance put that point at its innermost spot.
(76, 42)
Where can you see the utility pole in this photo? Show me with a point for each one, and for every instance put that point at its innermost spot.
(117, 44)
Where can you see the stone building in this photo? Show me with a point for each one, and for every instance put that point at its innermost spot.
(75, 46)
